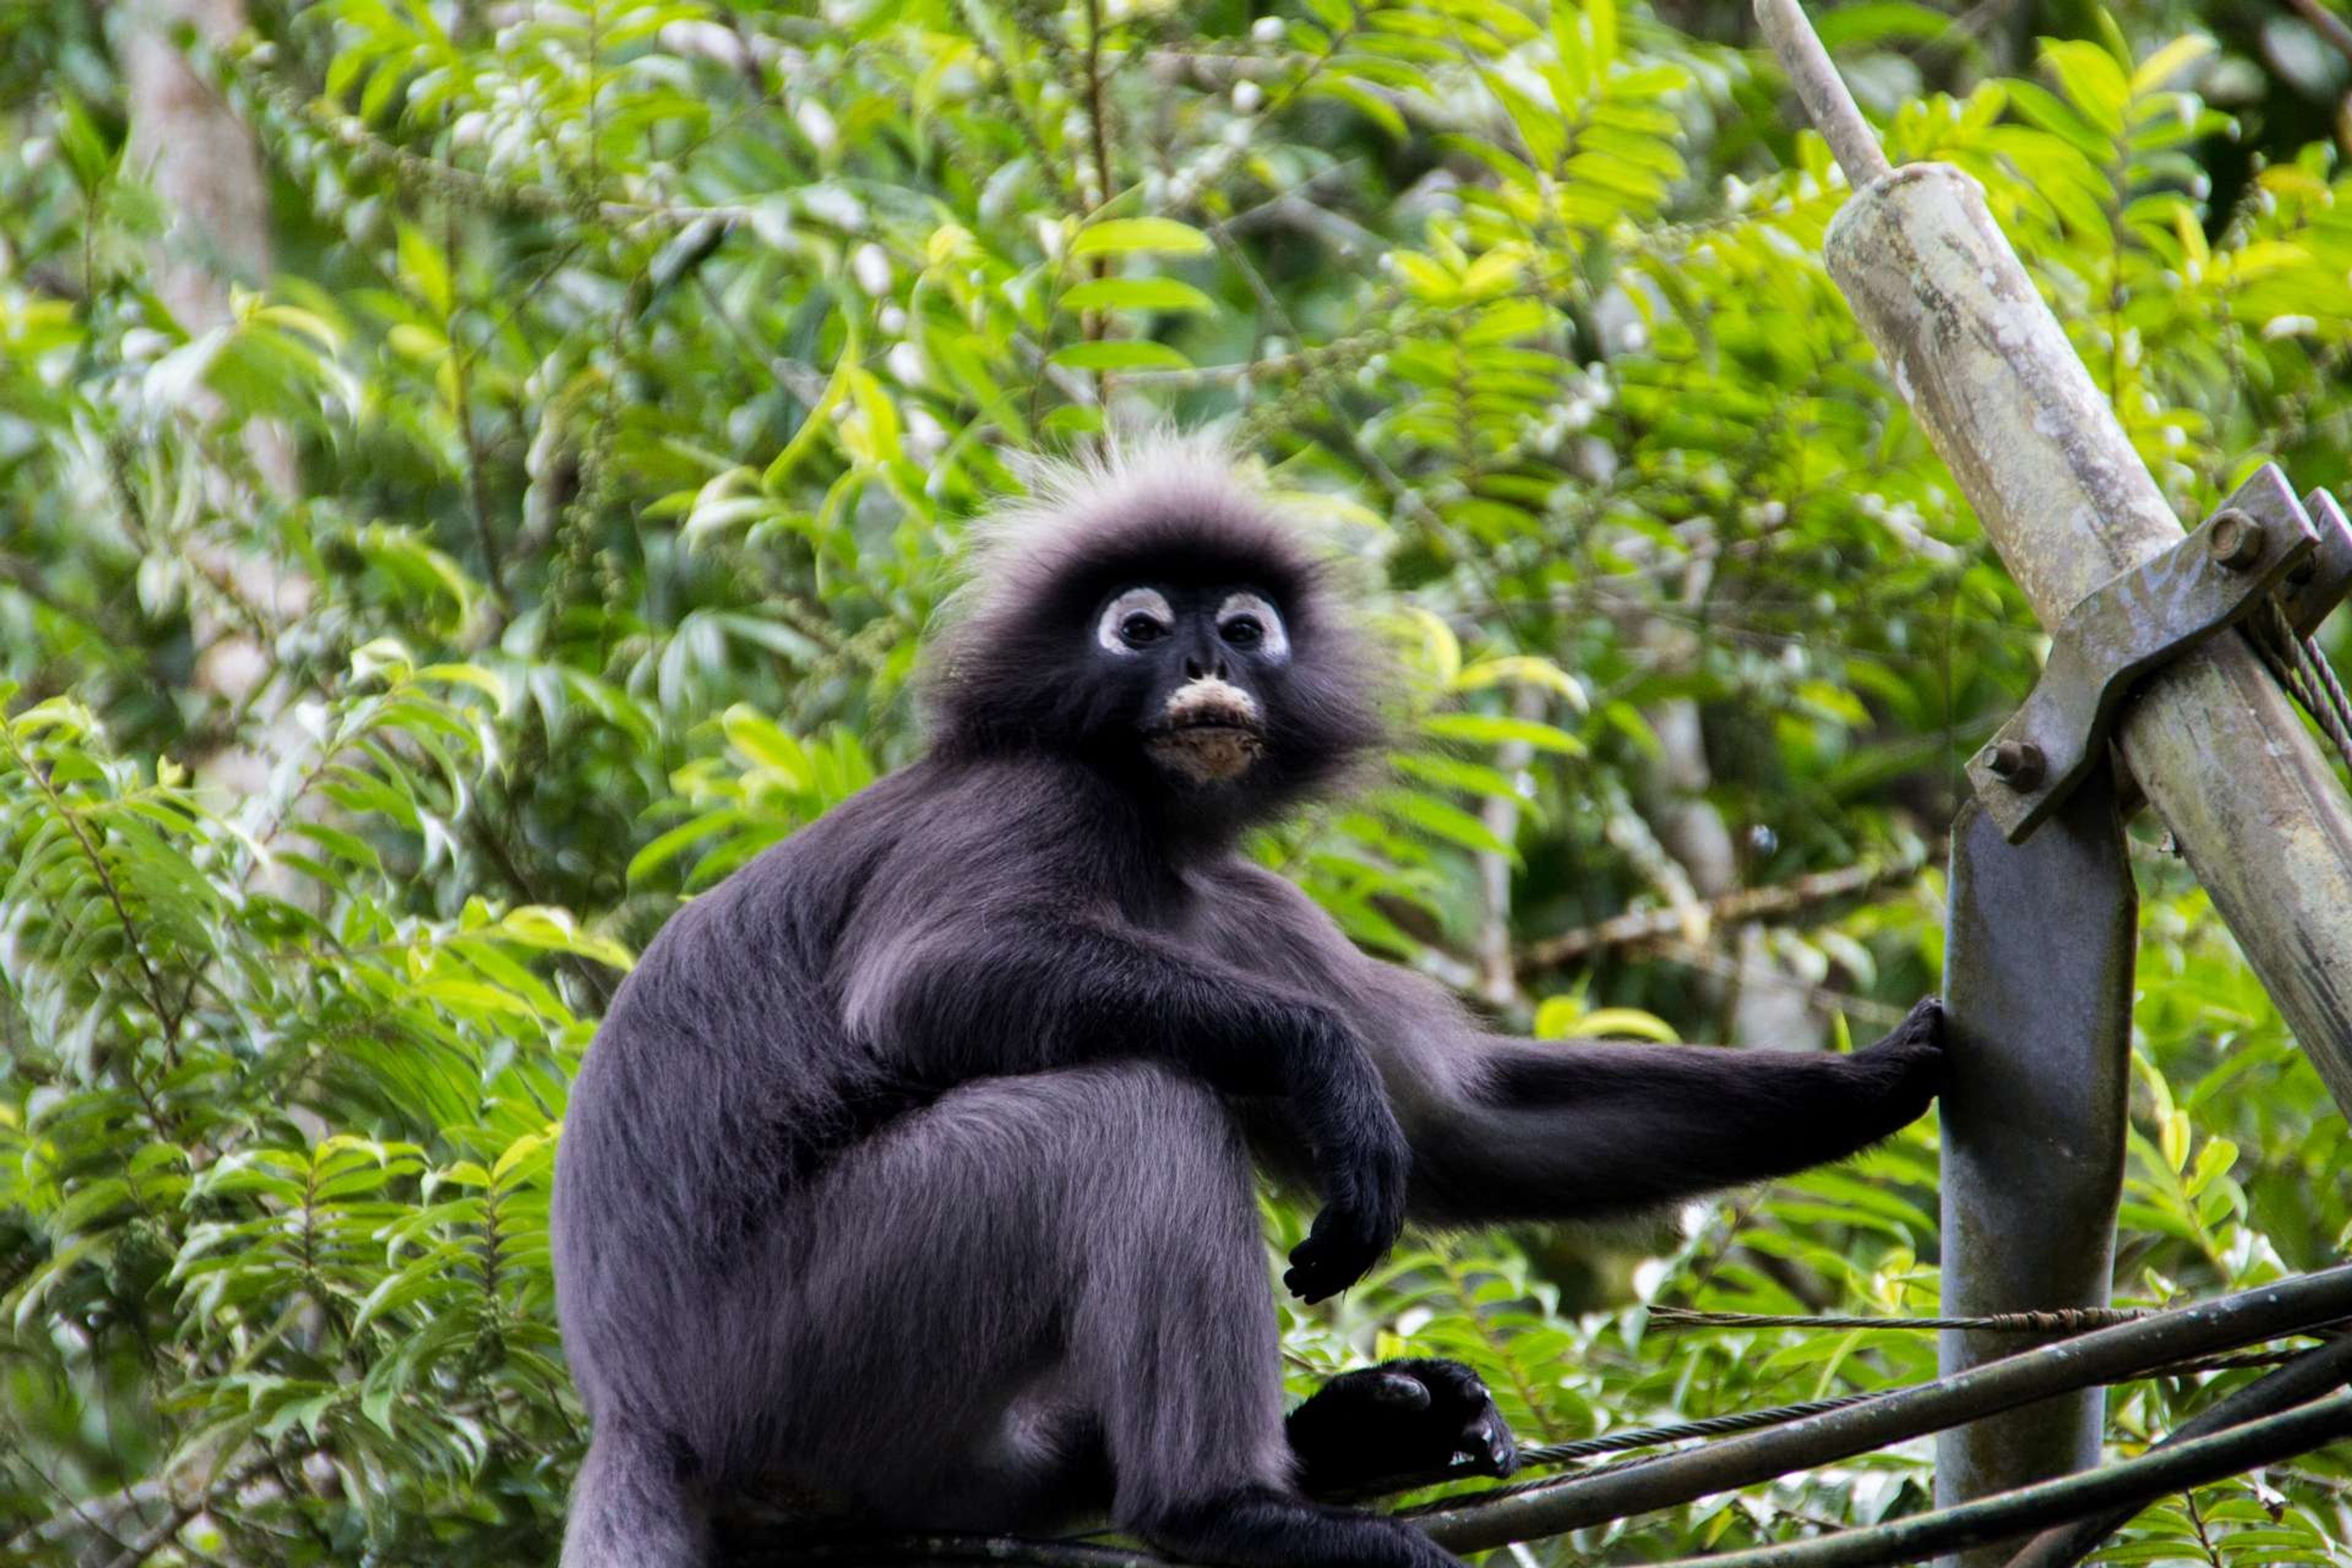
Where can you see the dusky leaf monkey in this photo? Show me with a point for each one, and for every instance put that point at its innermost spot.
(913, 1169)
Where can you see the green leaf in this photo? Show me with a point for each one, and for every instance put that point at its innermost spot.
(669, 846)
(1136, 294)
(2092, 81)
(426, 269)
(1120, 354)
(1126, 236)
(2170, 61)
(1488, 729)
(1447, 822)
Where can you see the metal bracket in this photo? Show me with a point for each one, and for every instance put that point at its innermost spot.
(2307, 599)
(2257, 541)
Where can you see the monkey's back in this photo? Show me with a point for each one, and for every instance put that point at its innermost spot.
(721, 1079)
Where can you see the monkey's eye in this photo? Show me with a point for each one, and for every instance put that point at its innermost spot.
(1249, 623)
(1135, 619)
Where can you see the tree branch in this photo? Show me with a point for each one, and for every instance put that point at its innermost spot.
(1733, 908)
(2327, 24)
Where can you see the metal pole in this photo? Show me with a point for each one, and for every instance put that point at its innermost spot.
(2038, 980)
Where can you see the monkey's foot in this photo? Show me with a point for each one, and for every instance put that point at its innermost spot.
(1403, 1419)
(1259, 1528)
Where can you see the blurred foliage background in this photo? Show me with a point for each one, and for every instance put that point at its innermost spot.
(472, 473)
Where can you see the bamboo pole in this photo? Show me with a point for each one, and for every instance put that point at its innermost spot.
(2132, 1484)
(2307, 1377)
(1481, 1520)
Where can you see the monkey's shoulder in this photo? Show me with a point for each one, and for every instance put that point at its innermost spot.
(932, 830)
(1259, 920)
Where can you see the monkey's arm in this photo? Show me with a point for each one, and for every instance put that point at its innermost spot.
(1550, 1129)
(1029, 990)
(1506, 1128)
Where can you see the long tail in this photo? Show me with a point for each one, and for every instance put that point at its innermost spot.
(631, 1509)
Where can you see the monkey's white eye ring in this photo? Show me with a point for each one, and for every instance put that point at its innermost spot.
(1248, 623)
(1134, 620)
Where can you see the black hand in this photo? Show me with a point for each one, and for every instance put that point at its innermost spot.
(1362, 1161)
(1901, 1074)
(1405, 1418)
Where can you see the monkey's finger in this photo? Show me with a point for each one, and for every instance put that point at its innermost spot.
(1314, 1280)
(1398, 1390)
(1458, 1388)
(1325, 1265)
(1318, 1275)
(1304, 1277)
(1488, 1445)
(1305, 1285)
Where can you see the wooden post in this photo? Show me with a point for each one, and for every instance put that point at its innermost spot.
(2211, 740)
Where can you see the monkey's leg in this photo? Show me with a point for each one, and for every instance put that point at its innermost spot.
(1173, 1323)
(631, 1508)
(1040, 1283)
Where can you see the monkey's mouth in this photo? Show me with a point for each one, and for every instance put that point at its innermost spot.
(1210, 732)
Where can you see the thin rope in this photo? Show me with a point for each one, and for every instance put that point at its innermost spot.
(2056, 1321)
(1682, 1431)
(2333, 713)
(2264, 639)
(2339, 704)
(2298, 666)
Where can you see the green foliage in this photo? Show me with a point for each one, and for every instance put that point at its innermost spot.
(387, 648)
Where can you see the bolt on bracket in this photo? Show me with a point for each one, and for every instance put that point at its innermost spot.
(2261, 539)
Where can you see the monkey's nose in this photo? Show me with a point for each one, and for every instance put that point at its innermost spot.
(1194, 668)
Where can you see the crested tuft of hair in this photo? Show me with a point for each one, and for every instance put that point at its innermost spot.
(1162, 508)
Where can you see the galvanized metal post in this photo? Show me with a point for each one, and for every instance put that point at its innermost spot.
(2039, 941)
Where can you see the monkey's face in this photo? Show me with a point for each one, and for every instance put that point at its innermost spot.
(1201, 666)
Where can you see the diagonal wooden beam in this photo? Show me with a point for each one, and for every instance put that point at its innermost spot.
(1990, 375)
